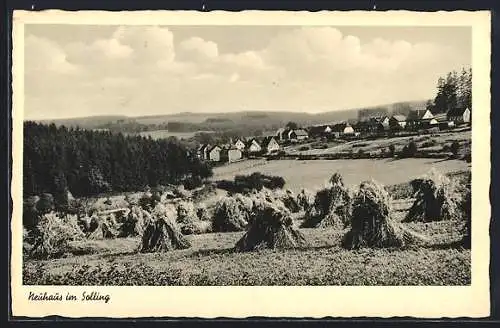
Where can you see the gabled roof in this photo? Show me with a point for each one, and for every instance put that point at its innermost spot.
(266, 141)
(214, 147)
(250, 142)
(204, 147)
(399, 118)
(417, 114)
(339, 127)
(441, 117)
(456, 111)
(300, 132)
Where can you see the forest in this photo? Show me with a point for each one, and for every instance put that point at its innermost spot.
(453, 91)
(85, 162)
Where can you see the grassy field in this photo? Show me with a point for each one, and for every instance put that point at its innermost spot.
(313, 174)
(211, 261)
(425, 142)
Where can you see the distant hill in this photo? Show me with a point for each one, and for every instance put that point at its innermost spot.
(90, 122)
(260, 119)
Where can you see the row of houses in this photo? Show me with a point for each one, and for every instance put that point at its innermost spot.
(235, 151)
(419, 119)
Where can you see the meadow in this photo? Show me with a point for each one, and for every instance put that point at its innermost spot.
(312, 174)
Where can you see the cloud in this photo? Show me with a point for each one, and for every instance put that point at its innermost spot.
(151, 44)
(196, 49)
(140, 70)
(44, 55)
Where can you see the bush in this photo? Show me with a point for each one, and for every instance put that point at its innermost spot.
(254, 181)
(409, 150)
(454, 148)
(193, 182)
(304, 148)
(392, 150)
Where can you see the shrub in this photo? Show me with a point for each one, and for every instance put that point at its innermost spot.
(371, 223)
(193, 182)
(254, 181)
(392, 150)
(304, 148)
(454, 148)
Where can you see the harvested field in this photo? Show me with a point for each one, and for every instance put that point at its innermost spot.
(210, 261)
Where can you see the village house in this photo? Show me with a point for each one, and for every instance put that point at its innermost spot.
(231, 154)
(253, 147)
(322, 130)
(270, 145)
(397, 122)
(342, 129)
(282, 134)
(384, 122)
(298, 135)
(418, 118)
(203, 152)
(239, 144)
(442, 121)
(214, 154)
(459, 115)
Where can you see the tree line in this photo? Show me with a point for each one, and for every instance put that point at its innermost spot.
(86, 162)
(453, 91)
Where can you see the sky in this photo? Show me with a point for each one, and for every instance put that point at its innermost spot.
(87, 70)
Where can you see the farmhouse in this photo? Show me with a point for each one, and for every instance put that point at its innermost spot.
(203, 151)
(459, 115)
(253, 147)
(270, 145)
(299, 134)
(442, 121)
(214, 154)
(384, 122)
(239, 144)
(319, 130)
(342, 129)
(282, 134)
(417, 117)
(397, 122)
(231, 154)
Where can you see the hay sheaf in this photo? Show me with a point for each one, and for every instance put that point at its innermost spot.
(331, 207)
(161, 232)
(305, 199)
(436, 198)
(270, 227)
(53, 234)
(232, 214)
(134, 222)
(102, 227)
(371, 223)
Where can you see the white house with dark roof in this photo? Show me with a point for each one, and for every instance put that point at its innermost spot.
(459, 115)
(298, 134)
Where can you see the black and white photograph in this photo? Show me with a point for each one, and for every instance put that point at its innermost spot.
(167, 154)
